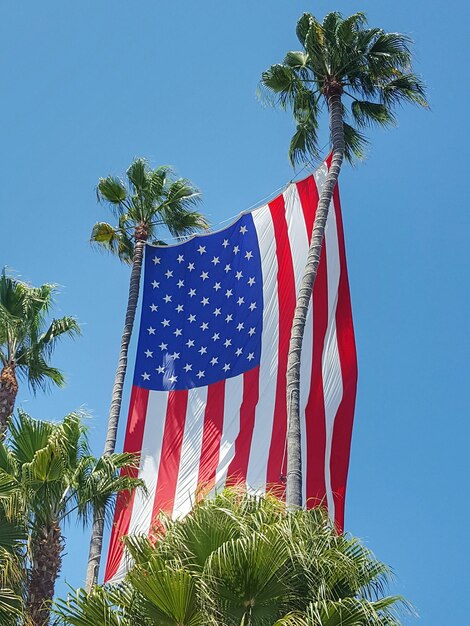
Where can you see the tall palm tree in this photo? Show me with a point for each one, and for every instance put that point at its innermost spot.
(47, 473)
(342, 61)
(240, 560)
(150, 199)
(12, 541)
(27, 340)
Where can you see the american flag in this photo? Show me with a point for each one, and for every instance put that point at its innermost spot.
(208, 403)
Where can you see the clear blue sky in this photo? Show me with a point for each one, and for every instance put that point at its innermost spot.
(87, 86)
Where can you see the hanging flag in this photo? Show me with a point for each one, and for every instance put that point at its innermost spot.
(208, 404)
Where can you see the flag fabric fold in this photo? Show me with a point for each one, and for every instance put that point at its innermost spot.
(208, 402)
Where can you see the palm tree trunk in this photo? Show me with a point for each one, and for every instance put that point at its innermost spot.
(46, 562)
(96, 542)
(8, 393)
(294, 454)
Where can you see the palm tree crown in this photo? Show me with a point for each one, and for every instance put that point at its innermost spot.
(240, 560)
(27, 339)
(368, 66)
(150, 200)
(47, 473)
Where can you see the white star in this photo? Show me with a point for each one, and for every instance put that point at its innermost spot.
(205, 301)
(200, 374)
(227, 343)
(236, 249)
(228, 293)
(201, 249)
(243, 230)
(215, 260)
(175, 355)
(227, 268)
(240, 326)
(188, 367)
(155, 284)
(151, 331)
(226, 367)
(217, 286)
(214, 360)
(148, 353)
(191, 318)
(191, 293)
(167, 298)
(251, 281)
(166, 323)
(145, 376)
(205, 275)
(240, 301)
(190, 343)
(252, 331)
(180, 259)
(229, 318)
(217, 312)
(160, 369)
(252, 306)
(180, 283)
(169, 273)
(191, 266)
(238, 351)
(249, 255)
(215, 336)
(179, 308)
(204, 326)
(156, 260)
(225, 243)
(251, 356)
(153, 308)
(173, 378)
(178, 332)
(202, 350)
(163, 346)
(239, 275)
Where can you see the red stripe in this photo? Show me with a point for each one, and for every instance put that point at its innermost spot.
(171, 453)
(211, 436)
(342, 430)
(286, 304)
(125, 501)
(238, 467)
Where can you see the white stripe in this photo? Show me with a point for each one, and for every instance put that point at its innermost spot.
(299, 245)
(331, 365)
(231, 427)
(264, 416)
(141, 517)
(186, 486)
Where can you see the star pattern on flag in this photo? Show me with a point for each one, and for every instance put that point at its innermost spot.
(211, 329)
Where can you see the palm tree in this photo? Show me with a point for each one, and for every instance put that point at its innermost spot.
(342, 60)
(47, 473)
(12, 541)
(149, 201)
(240, 560)
(27, 341)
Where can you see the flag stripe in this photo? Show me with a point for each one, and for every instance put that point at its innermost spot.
(190, 452)
(347, 353)
(264, 417)
(171, 452)
(286, 304)
(238, 468)
(234, 393)
(213, 425)
(124, 503)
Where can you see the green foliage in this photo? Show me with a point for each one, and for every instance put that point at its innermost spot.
(368, 66)
(27, 340)
(239, 559)
(146, 202)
